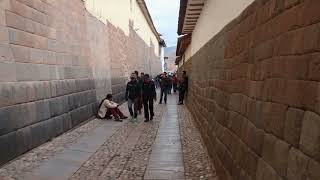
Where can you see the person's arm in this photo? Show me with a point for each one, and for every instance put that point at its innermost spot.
(110, 104)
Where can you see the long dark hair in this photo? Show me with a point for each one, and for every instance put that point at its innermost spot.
(107, 97)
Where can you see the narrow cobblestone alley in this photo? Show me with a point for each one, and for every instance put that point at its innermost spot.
(169, 147)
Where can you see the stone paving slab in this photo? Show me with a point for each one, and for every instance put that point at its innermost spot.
(66, 163)
(166, 159)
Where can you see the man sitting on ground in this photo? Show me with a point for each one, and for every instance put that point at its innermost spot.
(108, 107)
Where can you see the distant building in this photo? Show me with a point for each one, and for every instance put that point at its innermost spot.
(169, 59)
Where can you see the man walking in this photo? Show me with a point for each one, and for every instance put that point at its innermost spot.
(164, 83)
(183, 87)
(140, 82)
(133, 92)
(148, 95)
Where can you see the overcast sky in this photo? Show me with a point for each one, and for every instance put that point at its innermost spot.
(165, 17)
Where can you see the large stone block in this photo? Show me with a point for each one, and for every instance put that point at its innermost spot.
(273, 118)
(314, 67)
(4, 35)
(293, 125)
(67, 123)
(43, 110)
(23, 141)
(6, 53)
(15, 21)
(28, 72)
(265, 172)
(297, 165)
(59, 105)
(7, 72)
(310, 135)
(20, 53)
(7, 150)
(40, 133)
(314, 170)
(18, 37)
(7, 97)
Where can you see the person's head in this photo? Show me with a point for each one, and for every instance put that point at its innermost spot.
(146, 77)
(142, 74)
(136, 73)
(109, 96)
(165, 73)
(132, 77)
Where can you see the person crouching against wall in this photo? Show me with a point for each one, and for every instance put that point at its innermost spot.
(107, 108)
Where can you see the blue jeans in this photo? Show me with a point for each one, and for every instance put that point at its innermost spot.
(135, 104)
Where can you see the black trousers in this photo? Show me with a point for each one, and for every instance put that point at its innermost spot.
(164, 92)
(148, 107)
(181, 95)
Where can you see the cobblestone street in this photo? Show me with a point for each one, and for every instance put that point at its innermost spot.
(169, 147)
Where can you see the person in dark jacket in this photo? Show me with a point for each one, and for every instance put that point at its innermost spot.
(140, 82)
(183, 87)
(133, 92)
(164, 83)
(174, 83)
(148, 95)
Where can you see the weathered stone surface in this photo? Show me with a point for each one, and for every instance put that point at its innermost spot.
(297, 165)
(293, 125)
(310, 135)
(265, 172)
(7, 72)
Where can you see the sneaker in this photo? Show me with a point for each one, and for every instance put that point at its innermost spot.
(147, 120)
(151, 118)
(160, 102)
(180, 103)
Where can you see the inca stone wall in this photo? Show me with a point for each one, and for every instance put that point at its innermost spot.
(255, 92)
(56, 62)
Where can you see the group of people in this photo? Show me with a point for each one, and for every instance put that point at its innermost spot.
(168, 82)
(141, 92)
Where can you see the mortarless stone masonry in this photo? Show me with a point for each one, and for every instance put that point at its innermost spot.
(255, 92)
(56, 62)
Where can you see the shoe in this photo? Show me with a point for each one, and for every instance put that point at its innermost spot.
(147, 120)
(151, 118)
(118, 120)
(160, 102)
(124, 117)
(180, 103)
(108, 117)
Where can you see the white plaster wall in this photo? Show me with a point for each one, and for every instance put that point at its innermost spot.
(215, 15)
(118, 13)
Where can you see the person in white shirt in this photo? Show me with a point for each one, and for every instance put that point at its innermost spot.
(107, 108)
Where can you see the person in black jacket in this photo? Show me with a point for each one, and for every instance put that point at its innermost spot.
(183, 87)
(133, 92)
(164, 84)
(148, 95)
